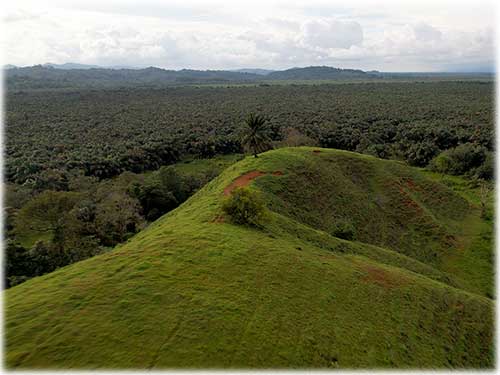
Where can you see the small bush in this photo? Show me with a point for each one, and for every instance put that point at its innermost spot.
(345, 230)
(419, 154)
(486, 171)
(245, 207)
(459, 160)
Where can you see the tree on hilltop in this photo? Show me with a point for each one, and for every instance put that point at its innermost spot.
(255, 137)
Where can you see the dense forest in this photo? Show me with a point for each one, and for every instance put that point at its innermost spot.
(77, 160)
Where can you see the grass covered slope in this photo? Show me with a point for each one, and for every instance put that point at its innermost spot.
(193, 290)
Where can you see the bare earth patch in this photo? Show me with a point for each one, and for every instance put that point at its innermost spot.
(382, 277)
(245, 179)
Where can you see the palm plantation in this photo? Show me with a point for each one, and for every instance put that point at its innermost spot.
(255, 137)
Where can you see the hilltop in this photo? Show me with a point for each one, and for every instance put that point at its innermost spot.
(318, 73)
(413, 288)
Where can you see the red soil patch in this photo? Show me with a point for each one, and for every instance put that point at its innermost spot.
(410, 184)
(245, 179)
(242, 181)
(382, 277)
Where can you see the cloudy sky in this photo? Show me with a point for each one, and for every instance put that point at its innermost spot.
(437, 35)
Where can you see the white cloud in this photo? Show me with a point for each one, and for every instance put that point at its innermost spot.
(19, 15)
(286, 24)
(424, 35)
(332, 33)
(426, 32)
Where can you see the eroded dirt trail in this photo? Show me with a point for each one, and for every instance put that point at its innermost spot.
(245, 179)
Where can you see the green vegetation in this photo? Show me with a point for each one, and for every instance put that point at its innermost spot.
(73, 225)
(303, 257)
(344, 229)
(245, 206)
(53, 137)
(466, 158)
(255, 137)
(112, 148)
(413, 290)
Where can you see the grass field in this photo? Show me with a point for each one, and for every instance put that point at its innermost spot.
(412, 290)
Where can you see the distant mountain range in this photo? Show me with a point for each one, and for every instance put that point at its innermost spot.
(72, 75)
(78, 75)
(68, 66)
(254, 71)
(317, 72)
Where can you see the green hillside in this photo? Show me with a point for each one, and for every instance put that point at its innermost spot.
(413, 289)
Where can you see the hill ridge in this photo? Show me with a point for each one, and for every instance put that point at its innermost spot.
(192, 292)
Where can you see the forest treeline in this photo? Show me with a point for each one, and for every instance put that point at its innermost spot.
(103, 133)
(50, 228)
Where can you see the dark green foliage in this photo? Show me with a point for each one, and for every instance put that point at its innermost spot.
(294, 138)
(47, 211)
(50, 179)
(116, 216)
(17, 196)
(22, 264)
(46, 258)
(463, 159)
(17, 263)
(102, 214)
(161, 192)
(255, 137)
(53, 136)
(486, 171)
(420, 154)
(245, 207)
(344, 229)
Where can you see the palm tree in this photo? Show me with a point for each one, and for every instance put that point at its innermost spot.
(255, 137)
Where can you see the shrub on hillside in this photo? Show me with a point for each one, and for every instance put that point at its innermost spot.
(344, 229)
(245, 207)
(486, 170)
(459, 160)
(419, 154)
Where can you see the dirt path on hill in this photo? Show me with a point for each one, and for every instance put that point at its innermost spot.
(245, 179)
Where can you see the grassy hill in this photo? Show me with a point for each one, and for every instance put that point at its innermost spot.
(412, 290)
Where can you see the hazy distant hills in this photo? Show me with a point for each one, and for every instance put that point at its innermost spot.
(70, 66)
(78, 75)
(318, 72)
(72, 75)
(255, 71)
